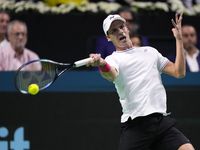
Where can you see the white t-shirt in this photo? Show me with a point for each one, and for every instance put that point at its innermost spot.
(192, 61)
(139, 83)
(4, 43)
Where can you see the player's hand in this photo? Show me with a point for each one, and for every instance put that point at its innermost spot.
(177, 26)
(96, 60)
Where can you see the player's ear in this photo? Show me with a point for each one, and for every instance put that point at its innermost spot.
(108, 37)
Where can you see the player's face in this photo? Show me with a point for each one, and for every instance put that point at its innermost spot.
(18, 36)
(189, 37)
(118, 34)
(4, 20)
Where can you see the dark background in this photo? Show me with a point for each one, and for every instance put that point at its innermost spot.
(86, 121)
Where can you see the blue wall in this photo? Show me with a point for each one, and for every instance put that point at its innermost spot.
(91, 81)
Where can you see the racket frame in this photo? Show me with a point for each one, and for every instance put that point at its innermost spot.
(57, 75)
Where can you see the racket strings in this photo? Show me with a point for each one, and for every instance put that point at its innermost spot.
(43, 76)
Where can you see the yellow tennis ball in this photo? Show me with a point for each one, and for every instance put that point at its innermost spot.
(33, 89)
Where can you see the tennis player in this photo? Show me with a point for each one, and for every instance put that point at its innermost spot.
(135, 71)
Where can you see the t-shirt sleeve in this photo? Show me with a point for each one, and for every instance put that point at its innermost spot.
(112, 62)
(162, 62)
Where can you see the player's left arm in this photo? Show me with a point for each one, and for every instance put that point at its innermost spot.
(178, 68)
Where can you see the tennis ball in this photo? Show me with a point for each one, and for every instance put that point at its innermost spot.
(33, 89)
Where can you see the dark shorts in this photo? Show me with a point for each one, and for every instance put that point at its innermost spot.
(152, 132)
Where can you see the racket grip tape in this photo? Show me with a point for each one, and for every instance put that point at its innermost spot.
(82, 62)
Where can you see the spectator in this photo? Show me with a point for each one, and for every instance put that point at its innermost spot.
(4, 20)
(106, 48)
(15, 54)
(136, 40)
(191, 51)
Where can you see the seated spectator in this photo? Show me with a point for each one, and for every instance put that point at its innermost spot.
(191, 51)
(104, 47)
(15, 54)
(4, 20)
(136, 40)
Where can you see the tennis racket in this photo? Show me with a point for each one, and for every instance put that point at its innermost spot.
(42, 72)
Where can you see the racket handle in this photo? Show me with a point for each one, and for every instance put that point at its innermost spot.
(82, 62)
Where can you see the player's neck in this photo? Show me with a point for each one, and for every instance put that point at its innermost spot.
(124, 47)
(192, 51)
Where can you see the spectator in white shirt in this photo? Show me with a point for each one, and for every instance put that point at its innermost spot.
(191, 51)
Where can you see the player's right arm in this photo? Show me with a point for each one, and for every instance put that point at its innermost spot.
(109, 72)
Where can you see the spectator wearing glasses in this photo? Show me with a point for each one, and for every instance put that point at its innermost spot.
(105, 47)
(15, 54)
